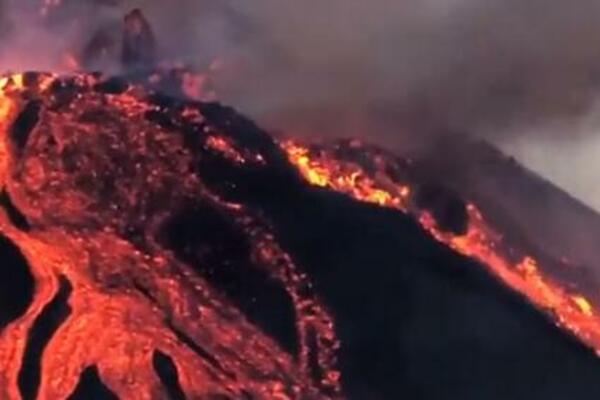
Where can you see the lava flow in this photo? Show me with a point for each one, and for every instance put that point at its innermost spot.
(139, 216)
(369, 179)
(101, 176)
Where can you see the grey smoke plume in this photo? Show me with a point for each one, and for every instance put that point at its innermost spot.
(388, 70)
(422, 64)
(429, 64)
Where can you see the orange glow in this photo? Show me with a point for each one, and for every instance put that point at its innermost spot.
(584, 305)
(571, 311)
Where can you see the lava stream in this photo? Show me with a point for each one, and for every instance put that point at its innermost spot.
(320, 166)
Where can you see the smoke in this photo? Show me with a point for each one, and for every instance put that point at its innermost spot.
(392, 71)
(433, 64)
(426, 66)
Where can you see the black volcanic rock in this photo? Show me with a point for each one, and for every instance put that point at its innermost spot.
(16, 283)
(90, 387)
(415, 319)
(447, 207)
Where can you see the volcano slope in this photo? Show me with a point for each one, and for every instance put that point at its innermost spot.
(156, 248)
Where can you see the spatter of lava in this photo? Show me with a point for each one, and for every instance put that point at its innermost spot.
(96, 169)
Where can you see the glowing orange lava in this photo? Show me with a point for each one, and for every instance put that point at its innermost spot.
(482, 242)
(96, 174)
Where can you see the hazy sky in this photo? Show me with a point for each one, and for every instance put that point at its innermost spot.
(570, 158)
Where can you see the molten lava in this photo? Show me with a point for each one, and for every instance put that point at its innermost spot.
(98, 169)
(322, 166)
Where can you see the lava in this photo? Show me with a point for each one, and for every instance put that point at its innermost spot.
(98, 169)
(322, 166)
